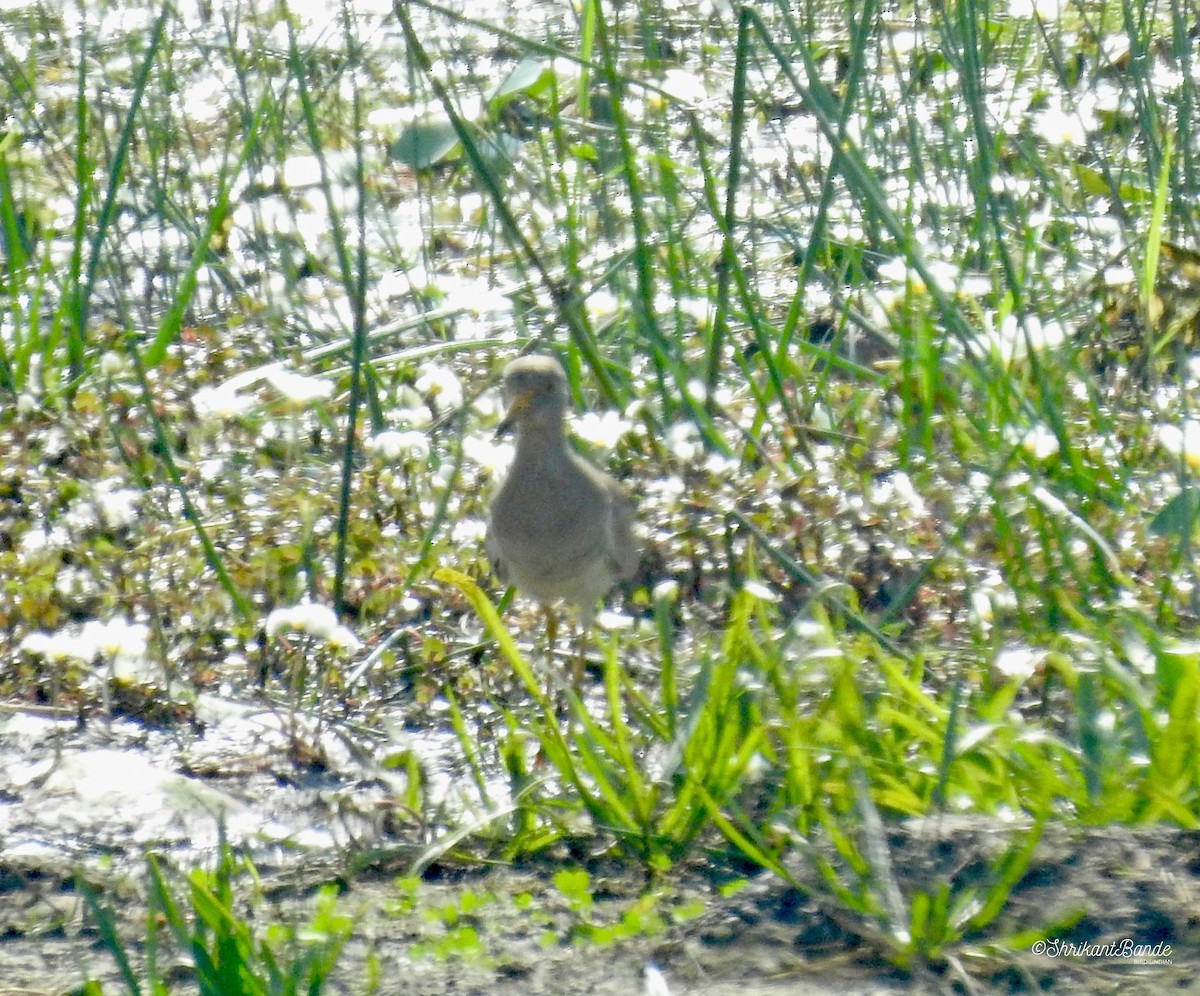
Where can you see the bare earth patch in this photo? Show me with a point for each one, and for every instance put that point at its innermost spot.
(1104, 891)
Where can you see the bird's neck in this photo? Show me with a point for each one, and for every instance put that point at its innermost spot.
(539, 444)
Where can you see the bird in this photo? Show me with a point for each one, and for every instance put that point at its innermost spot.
(558, 528)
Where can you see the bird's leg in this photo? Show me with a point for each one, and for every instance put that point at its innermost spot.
(557, 694)
(579, 662)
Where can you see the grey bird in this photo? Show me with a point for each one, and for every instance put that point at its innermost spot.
(559, 528)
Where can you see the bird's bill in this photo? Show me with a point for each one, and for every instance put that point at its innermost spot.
(519, 405)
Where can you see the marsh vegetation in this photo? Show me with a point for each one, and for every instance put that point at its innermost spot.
(886, 316)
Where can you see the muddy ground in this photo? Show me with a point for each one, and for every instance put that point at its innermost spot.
(1105, 887)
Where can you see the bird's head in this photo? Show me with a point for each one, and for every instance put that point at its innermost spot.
(535, 394)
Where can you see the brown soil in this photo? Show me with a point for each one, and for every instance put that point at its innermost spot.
(1101, 888)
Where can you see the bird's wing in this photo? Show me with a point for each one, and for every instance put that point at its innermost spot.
(624, 551)
(493, 553)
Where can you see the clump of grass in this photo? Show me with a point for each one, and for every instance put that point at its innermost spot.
(204, 920)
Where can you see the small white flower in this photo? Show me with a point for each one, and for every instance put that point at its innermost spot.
(117, 639)
(698, 309)
(301, 171)
(58, 647)
(470, 206)
(116, 507)
(315, 620)
(1019, 662)
(113, 364)
(221, 402)
(899, 486)
(493, 457)
(1016, 339)
(1042, 10)
(468, 532)
(297, 389)
(697, 391)
(1040, 443)
(342, 638)
(683, 442)
(602, 305)
(897, 271)
(1057, 125)
(602, 430)
(114, 640)
(440, 385)
(1183, 441)
(666, 591)
(760, 591)
(684, 87)
(34, 542)
(655, 983)
(74, 583)
(982, 611)
(392, 444)
(609, 620)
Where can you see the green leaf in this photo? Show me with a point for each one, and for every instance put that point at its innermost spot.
(1178, 517)
(1095, 184)
(530, 77)
(426, 142)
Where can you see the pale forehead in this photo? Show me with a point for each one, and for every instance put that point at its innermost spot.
(531, 370)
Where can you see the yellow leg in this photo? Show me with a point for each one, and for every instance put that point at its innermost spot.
(579, 664)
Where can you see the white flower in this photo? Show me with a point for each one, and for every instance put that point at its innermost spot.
(1040, 442)
(1019, 662)
(307, 617)
(698, 309)
(493, 457)
(34, 542)
(601, 306)
(392, 444)
(654, 983)
(757, 589)
(683, 441)
(342, 638)
(696, 390)
(59, 647)
(1058, 125)
(945, 275)
(982, 611)
(297, 389)
(468, 532)
(441, 385)
(1183, 441)
(1042, 10)
(316, 620)
(613, 621)
(666, 591)
(113, 364)
(116, 639)
(221, 402)
(899, 486)
(116, 507)
(301, 171)
(681, 86)
(1017, 338)
(602, 430)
